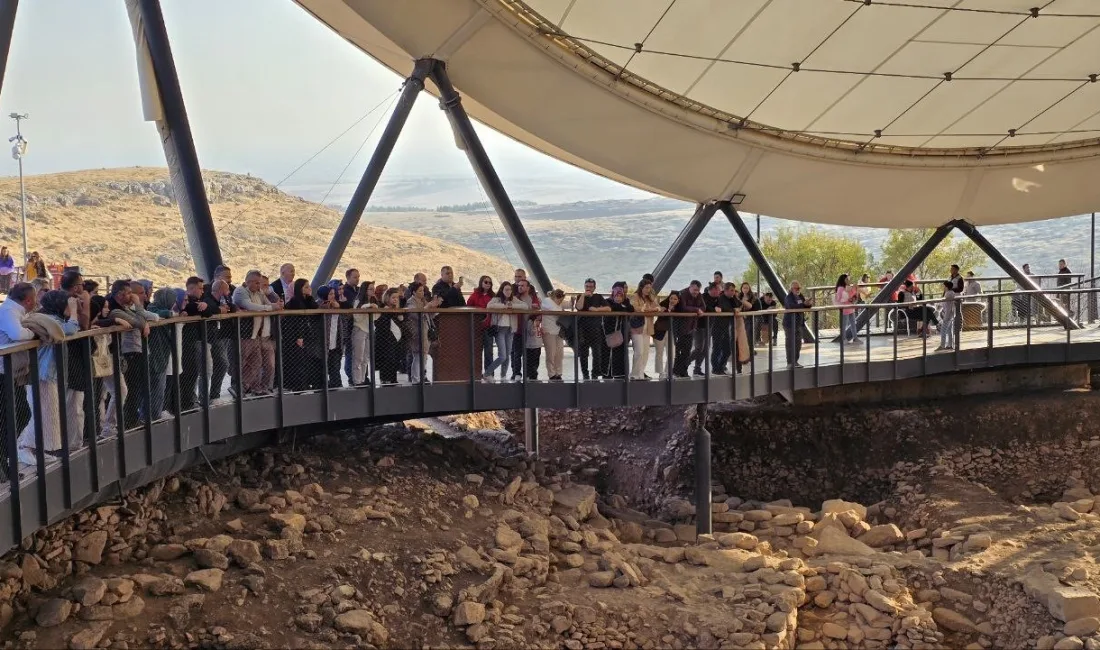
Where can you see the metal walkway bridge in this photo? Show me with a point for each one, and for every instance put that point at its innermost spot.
(193, 426)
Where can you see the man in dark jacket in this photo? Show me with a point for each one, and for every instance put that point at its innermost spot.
(447, 290)
(688, 330)
(285, 284)
(222, 335)
(590, 331)
(793, 322)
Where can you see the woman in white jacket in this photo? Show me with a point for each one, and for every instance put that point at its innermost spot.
(501, 327)
(551, 333)
(360, 335)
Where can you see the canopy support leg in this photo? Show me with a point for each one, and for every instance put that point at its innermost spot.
(760, 259)
(151, 39)
(369, 181)
(885, 293)
(1023, 280)
(686, 239)
(7, 28)
(451, 102)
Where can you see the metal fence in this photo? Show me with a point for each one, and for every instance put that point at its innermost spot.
(189, 382)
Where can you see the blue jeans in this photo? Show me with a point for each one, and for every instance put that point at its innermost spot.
(849, 326)
(947, 332)
(156, 398)
(504, 339)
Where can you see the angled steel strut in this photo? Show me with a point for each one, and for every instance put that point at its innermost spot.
(886, 293)
(451, 102)
(1022, 279)
(7, 27)
(965, 227)
(686, 239)
(354, 212)
(151, 40)
(758, 257)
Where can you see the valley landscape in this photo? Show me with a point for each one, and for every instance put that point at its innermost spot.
(124, 223)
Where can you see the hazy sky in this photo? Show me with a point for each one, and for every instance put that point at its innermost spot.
(266, 86)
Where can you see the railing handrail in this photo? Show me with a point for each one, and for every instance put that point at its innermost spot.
(183, 320)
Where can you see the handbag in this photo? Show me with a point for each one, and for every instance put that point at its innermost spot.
(614, 339)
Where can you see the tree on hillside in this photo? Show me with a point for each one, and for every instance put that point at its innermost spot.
(811, 255)
(900, 245)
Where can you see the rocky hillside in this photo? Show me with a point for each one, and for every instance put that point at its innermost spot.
(125, 223)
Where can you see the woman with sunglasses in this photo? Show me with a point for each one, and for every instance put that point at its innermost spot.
(480, 298)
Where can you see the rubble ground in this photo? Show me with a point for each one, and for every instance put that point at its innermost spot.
(397, 536)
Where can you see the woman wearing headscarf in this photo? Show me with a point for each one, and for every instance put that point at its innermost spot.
(55, 306)
(107, 394)
(616, 329)
(160, 354)
(389, 337)
(417, 328)
(7, 269)
(332, 333)
(301, 341)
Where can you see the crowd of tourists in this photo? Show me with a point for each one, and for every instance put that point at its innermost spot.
(387, 335)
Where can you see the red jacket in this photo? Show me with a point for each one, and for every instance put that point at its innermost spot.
(481, 301)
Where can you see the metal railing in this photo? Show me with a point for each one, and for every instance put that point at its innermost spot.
(80, 416)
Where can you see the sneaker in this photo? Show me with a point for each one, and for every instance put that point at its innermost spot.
(699, 372)
(165, 415)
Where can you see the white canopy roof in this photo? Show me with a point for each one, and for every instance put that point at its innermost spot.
(894, 113)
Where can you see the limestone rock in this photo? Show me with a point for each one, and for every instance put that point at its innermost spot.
(468, 613)
(601, 579)
(839, 505)
(207, 559)
(53, 612)
(833, 541)
(363, 623)
(291, 520)
(884, 535)
(89, 590)
(1064, 603)
(90, 547)
(168, 552)
(90, 636)
(209, 580)
(949, 619)
(244, 552)
(577, 501)
(1082, 626)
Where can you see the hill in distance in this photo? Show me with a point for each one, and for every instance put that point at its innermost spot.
(125, 223)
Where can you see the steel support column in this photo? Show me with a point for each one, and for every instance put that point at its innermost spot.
(703, 494)
(167, 109)
(683, 243)
(885, 293)
(1022, 279)
(358, 203)
(758, 257)
(531, 430)
(451, 102)
(7, 28)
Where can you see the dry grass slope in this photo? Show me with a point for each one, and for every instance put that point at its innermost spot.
(124, 223)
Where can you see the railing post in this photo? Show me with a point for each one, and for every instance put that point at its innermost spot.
(147, 385)
(204, 377)
(119, 401)
(277, 318)
(61, 359)
(91, 411)
(11, 424)
(39, 439)
(177, 398)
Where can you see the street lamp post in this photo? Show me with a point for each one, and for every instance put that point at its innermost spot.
(17, 151)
